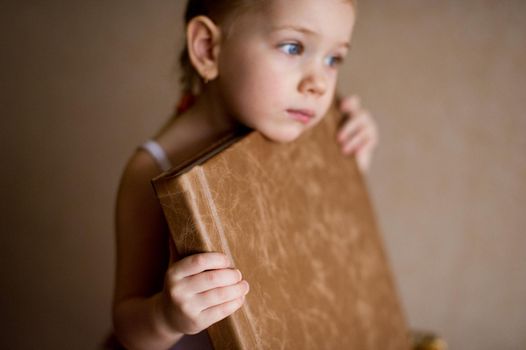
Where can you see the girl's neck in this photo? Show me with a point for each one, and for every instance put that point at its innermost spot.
(210, 111)
(201, 125)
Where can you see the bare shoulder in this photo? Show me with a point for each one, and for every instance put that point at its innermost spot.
(141, 230)
(136, 198)
(139, 169)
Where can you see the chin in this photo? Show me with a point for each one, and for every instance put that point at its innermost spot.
(282, 136)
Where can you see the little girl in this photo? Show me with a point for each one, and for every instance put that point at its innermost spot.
(271, 65)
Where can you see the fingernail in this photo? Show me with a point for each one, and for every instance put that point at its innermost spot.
(247, 286)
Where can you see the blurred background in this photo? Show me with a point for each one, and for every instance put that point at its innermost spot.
(84, 82)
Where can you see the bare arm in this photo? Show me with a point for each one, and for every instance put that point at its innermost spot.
(157, 297)
(142, 259)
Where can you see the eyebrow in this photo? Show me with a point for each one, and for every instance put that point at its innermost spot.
(296, 28)
(306, 31)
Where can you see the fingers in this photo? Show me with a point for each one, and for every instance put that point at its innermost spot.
(358, 128)
(359, 133)
(363, 159)
(358, 117)
(197, 263)
(356, 143)
(200, 290)
(212, 279)
(218, 296)
(217, 313)
(358, 121)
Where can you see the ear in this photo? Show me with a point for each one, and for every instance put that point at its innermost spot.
(203, 38)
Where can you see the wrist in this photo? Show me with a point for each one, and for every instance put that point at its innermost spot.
(162, 320)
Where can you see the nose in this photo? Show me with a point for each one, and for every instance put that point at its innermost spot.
(314, 82)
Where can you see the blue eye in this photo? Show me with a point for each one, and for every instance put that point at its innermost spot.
(292, 49)
(333, 61)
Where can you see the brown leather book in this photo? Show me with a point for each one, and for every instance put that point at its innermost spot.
(296, 220)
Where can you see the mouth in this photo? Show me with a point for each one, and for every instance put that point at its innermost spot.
(301, 115)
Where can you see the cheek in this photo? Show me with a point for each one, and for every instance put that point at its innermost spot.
(254, 84)
(262, 72)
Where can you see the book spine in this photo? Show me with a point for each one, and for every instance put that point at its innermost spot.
(193, 226)
(176, 200)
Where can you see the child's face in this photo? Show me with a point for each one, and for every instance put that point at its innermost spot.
(279, 66)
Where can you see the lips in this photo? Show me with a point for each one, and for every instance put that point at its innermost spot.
(302, 115)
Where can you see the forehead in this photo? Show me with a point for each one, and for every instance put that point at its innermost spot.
(333, 19)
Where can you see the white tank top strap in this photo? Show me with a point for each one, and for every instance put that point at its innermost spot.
(158, 153)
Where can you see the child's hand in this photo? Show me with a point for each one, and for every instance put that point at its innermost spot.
(201, 290)
(359, 133)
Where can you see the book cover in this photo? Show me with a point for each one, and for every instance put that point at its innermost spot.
(297, 221)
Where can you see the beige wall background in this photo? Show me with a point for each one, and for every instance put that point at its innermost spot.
(84, 82)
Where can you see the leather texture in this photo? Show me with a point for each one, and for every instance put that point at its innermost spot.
(297, 221)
